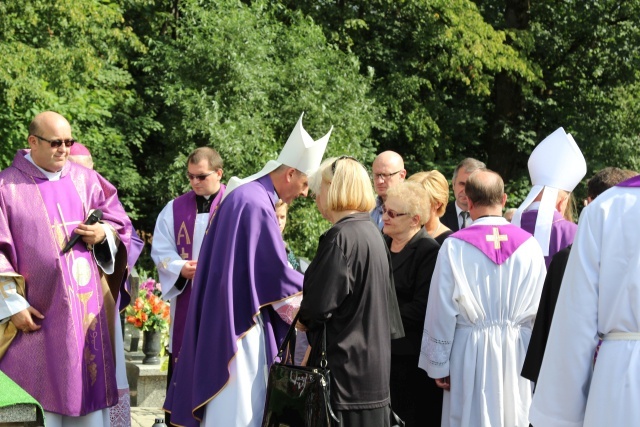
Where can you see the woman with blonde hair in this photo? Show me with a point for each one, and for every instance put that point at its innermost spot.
(413, 258)
(437, 188)
(348, 288)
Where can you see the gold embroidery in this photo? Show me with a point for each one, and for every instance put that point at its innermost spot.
(183, 232)
(91, 365)
(183, 254)
(496, 238)
(7, 286)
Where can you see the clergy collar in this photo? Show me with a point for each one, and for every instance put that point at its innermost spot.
(51, 176)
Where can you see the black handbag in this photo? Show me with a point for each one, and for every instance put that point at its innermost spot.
(298, 396)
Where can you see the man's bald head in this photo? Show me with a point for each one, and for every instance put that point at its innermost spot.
(388, 170)
(485, 190)
(45, 128)
(45, 120)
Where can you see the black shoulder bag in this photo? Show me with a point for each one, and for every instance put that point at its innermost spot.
(298, 395)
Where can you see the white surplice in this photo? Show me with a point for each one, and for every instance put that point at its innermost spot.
(600, 293)
(477, 330)
(165, 255)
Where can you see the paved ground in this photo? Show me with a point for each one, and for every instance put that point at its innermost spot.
(144, 416)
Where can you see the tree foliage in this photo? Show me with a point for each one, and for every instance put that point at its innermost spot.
(143, 82)
(71, 56)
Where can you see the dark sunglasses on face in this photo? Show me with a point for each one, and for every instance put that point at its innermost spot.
(392, 214)
(201, 177)
(58, 142)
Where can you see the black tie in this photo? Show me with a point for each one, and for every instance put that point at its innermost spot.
(464, 216)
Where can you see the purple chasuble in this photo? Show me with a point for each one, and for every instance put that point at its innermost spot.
(562, 231)
(497, 242)
(185, 211)
(67, 365)
(631, 182)
(242, 269)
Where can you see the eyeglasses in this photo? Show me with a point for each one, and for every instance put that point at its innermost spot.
(201, 177)
(392, 214)
(385, 176)
(58, 142)
(333, 165)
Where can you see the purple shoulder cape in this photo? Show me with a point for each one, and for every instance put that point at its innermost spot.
(497, 242)
(631, 182)
(242, 269)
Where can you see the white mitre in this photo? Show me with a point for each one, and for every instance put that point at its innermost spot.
(555, 164)
(300, 152)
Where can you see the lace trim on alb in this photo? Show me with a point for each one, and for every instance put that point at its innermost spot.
(436, 351)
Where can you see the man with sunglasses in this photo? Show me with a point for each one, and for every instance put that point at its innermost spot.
(57, 303)
(388, 170)
(177, 239)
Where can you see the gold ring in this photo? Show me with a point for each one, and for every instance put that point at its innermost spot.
(25, 330)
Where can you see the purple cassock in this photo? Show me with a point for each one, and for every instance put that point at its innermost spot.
(562, 231)
(242, 268)
(68, 364)
(497, 242)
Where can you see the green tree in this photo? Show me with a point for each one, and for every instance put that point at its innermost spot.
(71, 56)
(237, 77)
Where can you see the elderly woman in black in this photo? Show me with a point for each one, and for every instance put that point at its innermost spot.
(348, 286)
(413, 257)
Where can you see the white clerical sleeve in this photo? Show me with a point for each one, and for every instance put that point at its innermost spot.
(165, 253)
(108, 264)
(560, 396)
(440, 319)
(11, 302)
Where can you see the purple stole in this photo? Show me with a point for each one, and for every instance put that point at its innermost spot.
(497, 242)
(185, 211)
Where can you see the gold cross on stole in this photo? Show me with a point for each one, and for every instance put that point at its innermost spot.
(496, 238)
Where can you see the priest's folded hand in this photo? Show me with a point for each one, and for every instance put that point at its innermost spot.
(23, 320)
(91, 234)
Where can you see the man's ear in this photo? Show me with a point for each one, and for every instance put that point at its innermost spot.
(289, 174)
(32, 140)
(219, 173)
(504, 199)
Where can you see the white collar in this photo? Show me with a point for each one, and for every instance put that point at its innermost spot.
(51, 176)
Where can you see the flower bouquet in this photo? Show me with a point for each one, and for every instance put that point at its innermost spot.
(149, 312)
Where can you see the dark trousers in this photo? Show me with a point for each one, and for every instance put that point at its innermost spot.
(414, 396)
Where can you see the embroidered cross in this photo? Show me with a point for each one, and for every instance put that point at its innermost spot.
(183, 254)
(496, 238)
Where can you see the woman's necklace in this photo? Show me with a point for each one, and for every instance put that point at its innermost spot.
(435, 232)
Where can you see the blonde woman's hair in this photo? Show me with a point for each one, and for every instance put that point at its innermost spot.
(349, 185)
(281, 204)
(437, 188)
(413, 198)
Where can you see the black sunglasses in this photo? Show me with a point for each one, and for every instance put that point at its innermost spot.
(58, 142)
(201, 177)
(333, 165)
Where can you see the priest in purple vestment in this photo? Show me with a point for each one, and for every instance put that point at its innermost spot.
(57, 307)
(243, 282)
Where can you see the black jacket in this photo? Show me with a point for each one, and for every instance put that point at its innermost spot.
(450, 217)
(412, 270)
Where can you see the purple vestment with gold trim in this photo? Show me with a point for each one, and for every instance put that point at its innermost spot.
(242, 269)
(68, 364)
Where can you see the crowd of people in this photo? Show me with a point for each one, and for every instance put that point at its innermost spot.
(434, 312)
